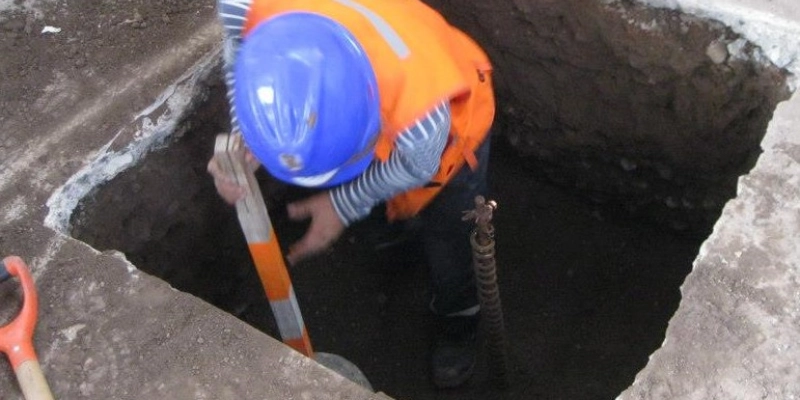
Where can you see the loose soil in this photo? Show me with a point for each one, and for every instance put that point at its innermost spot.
(586, 291)
(81, 53)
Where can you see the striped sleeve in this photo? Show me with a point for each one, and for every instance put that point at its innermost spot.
(413, 163)
(232, 14)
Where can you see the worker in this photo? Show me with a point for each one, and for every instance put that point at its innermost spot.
(373, 102)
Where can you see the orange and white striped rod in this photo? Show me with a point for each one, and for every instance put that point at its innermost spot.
(263, 244)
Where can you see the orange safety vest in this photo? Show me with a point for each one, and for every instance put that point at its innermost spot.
(419, 60)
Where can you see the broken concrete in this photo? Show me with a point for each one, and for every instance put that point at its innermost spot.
(109, 331)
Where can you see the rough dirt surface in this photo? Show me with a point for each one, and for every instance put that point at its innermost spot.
(587, 293)
(93, 37)
(84, 79)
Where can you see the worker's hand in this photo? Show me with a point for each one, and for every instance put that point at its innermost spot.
(226, 185)
(325, 227)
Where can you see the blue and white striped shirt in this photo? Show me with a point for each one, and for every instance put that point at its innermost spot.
(413, 162)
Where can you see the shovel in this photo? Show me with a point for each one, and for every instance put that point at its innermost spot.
(16, 338)
(268, 259)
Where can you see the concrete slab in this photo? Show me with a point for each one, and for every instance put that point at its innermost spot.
(89, 100)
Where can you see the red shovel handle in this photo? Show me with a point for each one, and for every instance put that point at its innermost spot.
(16, 338)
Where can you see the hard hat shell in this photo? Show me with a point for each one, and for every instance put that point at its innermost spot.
(306, 99)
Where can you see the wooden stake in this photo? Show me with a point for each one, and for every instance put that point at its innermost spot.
(263, 244)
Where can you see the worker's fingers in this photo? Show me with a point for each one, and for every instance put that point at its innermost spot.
(228, 189)
(214, 169)
(304, 248)
(318, 239)
(309, 244)
(251, 160)
(325, 226)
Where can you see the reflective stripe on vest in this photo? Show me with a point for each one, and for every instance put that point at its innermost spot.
(389, 34)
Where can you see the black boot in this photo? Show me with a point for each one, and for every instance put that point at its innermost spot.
(454, 352)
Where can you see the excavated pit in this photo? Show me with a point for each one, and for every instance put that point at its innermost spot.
(597, 226)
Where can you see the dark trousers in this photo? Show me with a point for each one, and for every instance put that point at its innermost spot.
(445, 238)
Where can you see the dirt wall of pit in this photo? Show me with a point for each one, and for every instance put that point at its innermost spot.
(734, 336)
(655, 110)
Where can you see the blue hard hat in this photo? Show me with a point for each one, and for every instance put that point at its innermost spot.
(307, 99)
